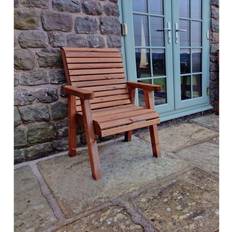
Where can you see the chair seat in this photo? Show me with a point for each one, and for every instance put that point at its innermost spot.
(120, 119)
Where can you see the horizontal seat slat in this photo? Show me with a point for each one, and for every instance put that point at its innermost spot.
(95, 71)
(107, 104)
(93, 60)
(126, 121)
(106, 99)
(69, 49)
(97, 77)
(132, 126)
(98, 83)
(95, 66)
(87, 54)
(114, 116)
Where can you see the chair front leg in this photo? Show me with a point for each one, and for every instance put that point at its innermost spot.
(128, 136)
(72, 125)
(91, 139)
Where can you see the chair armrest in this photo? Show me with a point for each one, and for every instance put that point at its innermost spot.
(145, 87)
(81, 93)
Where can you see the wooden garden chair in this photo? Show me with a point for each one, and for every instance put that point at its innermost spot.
(99, 93)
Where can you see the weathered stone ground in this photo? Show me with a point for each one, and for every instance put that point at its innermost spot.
(177, 192)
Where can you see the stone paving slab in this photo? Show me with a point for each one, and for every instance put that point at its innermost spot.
(204, 155)
(125, 166)
(210, 121)
(176, 137)
(110, 219)
(188, 203)
(31, 211)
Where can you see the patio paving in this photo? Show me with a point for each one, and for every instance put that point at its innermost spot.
(177, 192)
(210, 121)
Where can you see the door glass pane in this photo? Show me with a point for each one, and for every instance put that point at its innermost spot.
(140, 5)
(161, 96)
(185, 87)
(157, 36)
(141, 30)
(142, 57)
(196, 33)
(141, 93)
(156, 6)
(196, 60)
(158, 62)
(197, 86)
(184, 35)
(196, 9)
(184, 8)
(185, 61)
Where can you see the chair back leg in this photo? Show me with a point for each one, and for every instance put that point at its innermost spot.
(128, 136)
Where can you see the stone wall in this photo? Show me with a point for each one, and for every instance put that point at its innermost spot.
(214, 54)
(41, 27)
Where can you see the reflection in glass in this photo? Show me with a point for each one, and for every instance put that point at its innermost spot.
(160, 96)
(184, 35)
(196, 60)
(140, 5)
(184, 8)
(185, 61)
(140, 30)
(158, 62)
(197, 85)
(157, 36)
(196, 33)
(141, 93)
(156, 6)
(142, 57)
(185, 87)
(196, 9)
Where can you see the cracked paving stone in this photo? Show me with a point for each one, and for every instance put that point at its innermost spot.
(113, 219)
(204, 155)
(31, 211)
(210, 121)
(188, 203)
(125, 167)
(176, 137)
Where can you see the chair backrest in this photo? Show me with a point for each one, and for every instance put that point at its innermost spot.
(99, 70)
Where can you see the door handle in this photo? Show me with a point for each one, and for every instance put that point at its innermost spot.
(168, 29)
(177, 30)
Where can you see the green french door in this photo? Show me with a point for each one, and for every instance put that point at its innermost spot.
(167, 44)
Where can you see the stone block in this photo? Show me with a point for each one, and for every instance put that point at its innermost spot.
(36, 112)
(38, 151)
(17, 117)
(96, 41)
(35, 3)
(20, 136)
(92, 7)
(57, 21)
(111, 9)
(61, 128)
(33, 39)
(72, 6)
(60, 144)
(114, 41)
(40, 132)
(74, 40)
(110, 26)
(23, 96)
(49, 58)
(19, 155)
(24, 59)
(46, 94)
(57, 76)
(25, 19)
(57, 39)
(59, 110)
(86, 25)
(37, 77)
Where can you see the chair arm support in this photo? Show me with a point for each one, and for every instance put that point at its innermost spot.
(81, 93)
(145, 87)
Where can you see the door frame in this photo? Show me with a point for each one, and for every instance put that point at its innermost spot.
(129, 61)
